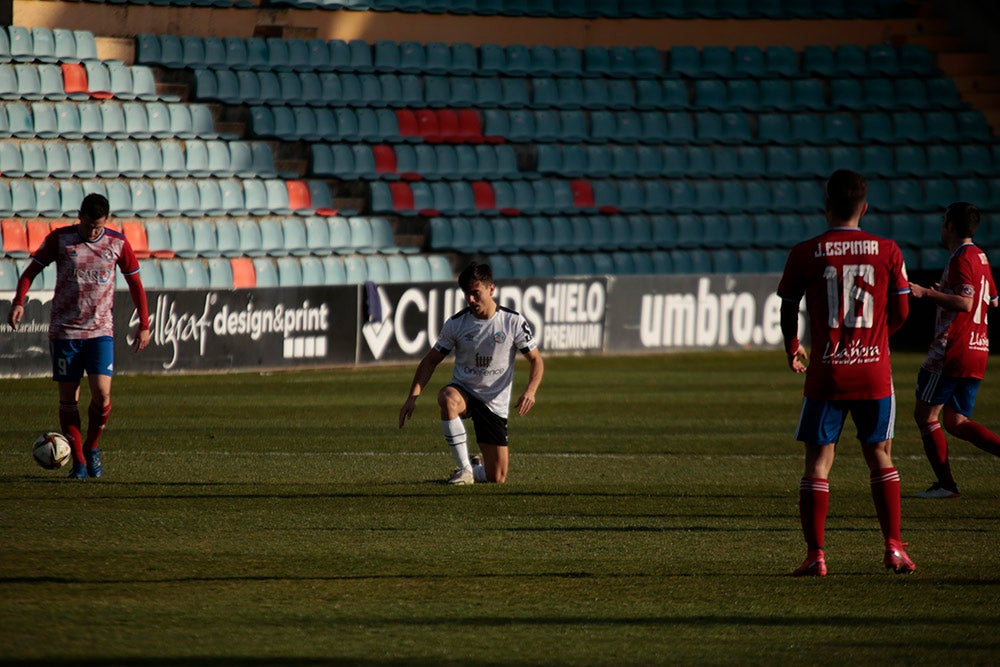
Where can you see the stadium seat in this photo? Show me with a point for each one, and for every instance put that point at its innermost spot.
(181, 239)
(173, 274)
(15, 238)
(158, 239)
(68, 123)
(204, 240)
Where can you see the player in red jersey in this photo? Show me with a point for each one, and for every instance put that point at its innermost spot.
(855, 287)
(81, 328)
(956, 362)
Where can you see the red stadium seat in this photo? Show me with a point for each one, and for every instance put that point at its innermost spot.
(15, 238)
(448, 126)
(135, 234)
(583, 193)
(385, 160)
(299, 199)
(483, 196)
(244, 275)
(75, 79)
(427, 125)
(402, 197)
(407, 121)
(37, 231)
(470, 127)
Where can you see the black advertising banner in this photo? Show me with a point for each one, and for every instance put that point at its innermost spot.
(25, 352)
(198, 330)
(691, 312)
(567, 316)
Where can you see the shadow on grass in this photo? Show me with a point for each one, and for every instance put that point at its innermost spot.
(208, 661)
(915, 579)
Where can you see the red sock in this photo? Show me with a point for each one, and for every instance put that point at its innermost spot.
(978, 435)
(885, 493)
(814, 503)
(97, 419)
(936, 449)
(69, 422)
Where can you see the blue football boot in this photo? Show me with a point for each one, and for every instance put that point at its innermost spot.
(79, 470)
(94, 466)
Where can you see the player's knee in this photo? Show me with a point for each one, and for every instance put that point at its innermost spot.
(952, 420)
(449, 398)
(926, 427)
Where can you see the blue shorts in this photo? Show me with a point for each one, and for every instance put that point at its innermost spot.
(957, 393)
(491, 428)
(821, 421)
(70, 358)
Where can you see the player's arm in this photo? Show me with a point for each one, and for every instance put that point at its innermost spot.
(535, 373)
(796, 353)
(956, 302)
(899, 310)
(425, 369)
(138, 293)
(16, 313)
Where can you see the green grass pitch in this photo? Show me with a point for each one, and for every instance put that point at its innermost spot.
(651, 517)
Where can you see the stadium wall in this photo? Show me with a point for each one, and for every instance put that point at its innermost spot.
(128, 20)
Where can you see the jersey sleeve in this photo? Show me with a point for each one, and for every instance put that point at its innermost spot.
(127, 261)
(790, 287)
(897, 266)
(524, 338)
(446, 339)
(48, 252)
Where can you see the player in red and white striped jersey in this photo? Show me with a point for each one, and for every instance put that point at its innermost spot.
(956, 362)
(81, 328)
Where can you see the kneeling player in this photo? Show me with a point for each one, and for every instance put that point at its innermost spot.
(485, 337)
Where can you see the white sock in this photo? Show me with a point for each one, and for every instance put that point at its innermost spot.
(454, 435)
(479, 473)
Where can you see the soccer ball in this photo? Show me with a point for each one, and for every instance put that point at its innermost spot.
(51, 451)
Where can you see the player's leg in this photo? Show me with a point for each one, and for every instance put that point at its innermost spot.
(67, 370)
(452, 403)
(875, 422)
(491, 436)
(70, 425)
(820, 424)
(814, 505)
(496, 459)
(932, 392)
(97, 418)
(99, 362)
(958, 418)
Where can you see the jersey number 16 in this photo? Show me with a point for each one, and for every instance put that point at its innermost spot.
(849, 294)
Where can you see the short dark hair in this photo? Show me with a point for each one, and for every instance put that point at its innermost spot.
(846, 192)
(474, 272)
(963, 218)
(94, 207)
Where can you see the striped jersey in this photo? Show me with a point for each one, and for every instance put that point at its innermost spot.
(85, 280)
(485, 352)
(961, 344)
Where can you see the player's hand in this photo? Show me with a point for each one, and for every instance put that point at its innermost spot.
(525, 403)
(15, 316)
(407, 410)
(141, 340)
(917, 291)
(798, 360)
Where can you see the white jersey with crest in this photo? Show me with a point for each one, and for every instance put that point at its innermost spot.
(484, 353)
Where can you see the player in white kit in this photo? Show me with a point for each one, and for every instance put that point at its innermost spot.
(485, 337)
